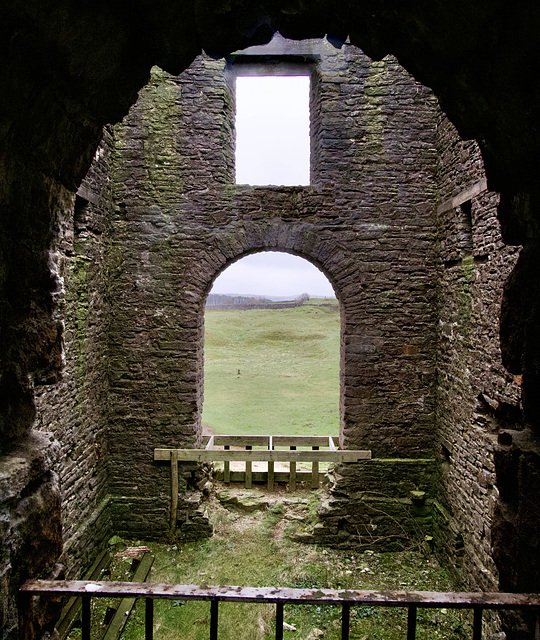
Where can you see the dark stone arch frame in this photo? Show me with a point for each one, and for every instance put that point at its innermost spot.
(424, 41)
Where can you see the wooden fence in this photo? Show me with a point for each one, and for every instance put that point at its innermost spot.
(249, 449)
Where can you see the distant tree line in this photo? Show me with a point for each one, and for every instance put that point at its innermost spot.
(224, 301)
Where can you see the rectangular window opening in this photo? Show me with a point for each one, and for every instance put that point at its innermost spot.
(272, 130)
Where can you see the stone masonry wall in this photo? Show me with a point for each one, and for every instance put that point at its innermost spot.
(477, 398)
(367, 221)
(75, 409)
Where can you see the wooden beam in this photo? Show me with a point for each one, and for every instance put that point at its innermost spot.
(292, 471)
(315, 471)
(421, 599)
(271, 466)
(203, 455)
(174, 489)
(262, 441)
(118, 621)
(241, 441)
(226, 469)
(72, 609)
(262, 476)
(249, 468)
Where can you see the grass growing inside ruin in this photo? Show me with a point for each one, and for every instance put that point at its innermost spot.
(273, 371)
(255, 550)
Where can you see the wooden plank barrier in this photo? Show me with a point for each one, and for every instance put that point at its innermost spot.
(249, 469)
(271, 476)
(226, 468)
(247, 454)
(174, 490)
(315, 471)
(292, 470)
(120, 618)
(72, 609)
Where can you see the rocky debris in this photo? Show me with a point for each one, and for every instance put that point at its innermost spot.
(192, 522)
(244, 501)
(132, 552)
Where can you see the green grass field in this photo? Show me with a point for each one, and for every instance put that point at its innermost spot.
(255, 550)
(273, 371)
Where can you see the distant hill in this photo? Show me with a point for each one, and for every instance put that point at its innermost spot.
(236, 300)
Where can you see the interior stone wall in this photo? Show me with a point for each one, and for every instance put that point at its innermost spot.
(367, 221)
(476, 397)
(75, 409)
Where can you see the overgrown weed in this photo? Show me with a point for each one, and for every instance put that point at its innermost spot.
(246, 551)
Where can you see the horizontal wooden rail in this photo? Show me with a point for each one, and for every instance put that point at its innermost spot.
(345, 598)
(263, 441)
(209, 455)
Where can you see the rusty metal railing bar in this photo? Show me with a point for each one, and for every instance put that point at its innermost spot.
(411, 622)
(149, 619)
(279, 621)
(345, 620)
(85, 617)
(477, 623)
(214, 609)
(343, 597)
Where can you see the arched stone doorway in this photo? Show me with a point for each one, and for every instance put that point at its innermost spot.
(271, 349)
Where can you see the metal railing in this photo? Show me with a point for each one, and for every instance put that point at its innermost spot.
(346, 599)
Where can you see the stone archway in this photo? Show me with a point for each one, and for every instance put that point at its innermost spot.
(67, 72)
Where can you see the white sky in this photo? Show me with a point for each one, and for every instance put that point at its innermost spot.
(272, 273)
(272, 148)
(272, 130)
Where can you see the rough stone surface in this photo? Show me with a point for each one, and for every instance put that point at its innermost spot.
(180, 220)
(476, 395)
(30, 525)
(245, 501)
(76, 408)
(67, 69)
(369, 505)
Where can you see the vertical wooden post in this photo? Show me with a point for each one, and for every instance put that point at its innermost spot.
(271, 476)
(345, 620)
(477, 623)
(174, 491)
(292, 472)
(315, 472)
(226, 468)
(149, 619)
(411, 622)
(249, 467)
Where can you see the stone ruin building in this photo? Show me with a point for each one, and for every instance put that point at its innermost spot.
(120, 208)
